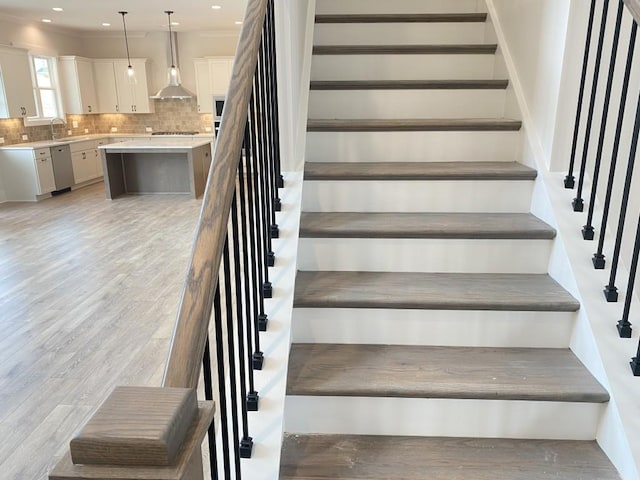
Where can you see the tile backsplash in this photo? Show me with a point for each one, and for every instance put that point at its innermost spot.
(170, 115)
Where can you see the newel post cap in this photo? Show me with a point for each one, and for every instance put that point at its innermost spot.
(149, 432)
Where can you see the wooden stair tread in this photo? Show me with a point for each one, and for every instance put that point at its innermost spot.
(354, 370)
(409, 84)
(414, 125)
(418, 171)
(434, 291)
(360, 457)
(424, 225)
(403, 18)
(445, 49)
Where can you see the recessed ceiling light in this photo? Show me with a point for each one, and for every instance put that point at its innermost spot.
(57, 9)
(175, 23)
(238, 22)
(105, 24)
(46, 20)
(216, 7)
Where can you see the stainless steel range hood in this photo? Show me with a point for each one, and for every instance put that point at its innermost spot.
(174, 88)
(176, 91)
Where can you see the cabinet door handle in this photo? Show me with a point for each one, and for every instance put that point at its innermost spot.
(117, 108)
(89, 108)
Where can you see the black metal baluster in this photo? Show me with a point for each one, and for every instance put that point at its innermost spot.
(233, 385)
(271, 99)
(246, 443)
(265, 202)
(276, 112)
(222, 389)
(267, 177)
(598, 257)
(569, 181)
(624, 325)
(255, 220)
(635, 363)
(578, 203)
(250, 286)
(610, 291)
(587, 230)
(208, 395)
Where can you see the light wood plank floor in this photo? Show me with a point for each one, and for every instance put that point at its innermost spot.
(89, 289)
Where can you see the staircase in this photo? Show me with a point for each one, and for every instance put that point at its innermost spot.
(429, 340)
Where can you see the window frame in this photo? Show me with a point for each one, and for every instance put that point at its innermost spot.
(39, 119)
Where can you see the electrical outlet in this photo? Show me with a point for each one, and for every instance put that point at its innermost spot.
(86, 130)
(75, 124)
(114, 129)
(69, 132)
(1, 140)
(207, 129)
(25, 137)
(148, 129)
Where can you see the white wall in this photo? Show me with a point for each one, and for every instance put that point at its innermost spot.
(294, 29)
(535, 31)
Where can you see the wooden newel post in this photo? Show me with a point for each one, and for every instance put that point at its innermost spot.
(140, 433)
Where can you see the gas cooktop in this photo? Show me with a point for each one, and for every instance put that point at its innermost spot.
(176, 133)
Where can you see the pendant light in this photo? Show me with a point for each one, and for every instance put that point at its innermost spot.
(174, 89)
(131, 74)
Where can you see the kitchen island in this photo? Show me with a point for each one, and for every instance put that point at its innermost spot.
(158, 166)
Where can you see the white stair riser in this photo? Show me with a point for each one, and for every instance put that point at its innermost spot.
(399, 33)
(397, 6)
(473, 328)
(417, 196)
(442, 417)
(413, 146)
(407, 104)
(402, 67)
(424, 255)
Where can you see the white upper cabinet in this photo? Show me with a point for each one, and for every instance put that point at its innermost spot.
(106, 90)
(115, 91)
(212, 79)
(133, 96)
(17, 89)
(203, 86)
(78, 85)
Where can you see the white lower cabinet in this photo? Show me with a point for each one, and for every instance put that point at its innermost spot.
(85, 161)
(27, 173)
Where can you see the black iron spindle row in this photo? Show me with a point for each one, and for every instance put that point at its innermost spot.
(244, 282)
(624, 325)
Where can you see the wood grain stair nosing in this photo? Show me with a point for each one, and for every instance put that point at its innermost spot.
(429, 171)
(409, 84)
(402, 18)
(465, 373)
(432, 291)
(445, 49)
(414, 125)
(424, 226)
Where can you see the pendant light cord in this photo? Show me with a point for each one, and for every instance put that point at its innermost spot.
(169, 12)
(126, 40)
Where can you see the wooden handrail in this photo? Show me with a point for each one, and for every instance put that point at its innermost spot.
(634, 8)
(191, 329)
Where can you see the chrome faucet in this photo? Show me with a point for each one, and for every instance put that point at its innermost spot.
(53, 133)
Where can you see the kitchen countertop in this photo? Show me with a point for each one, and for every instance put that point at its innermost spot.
(98, 136)
(164, 143)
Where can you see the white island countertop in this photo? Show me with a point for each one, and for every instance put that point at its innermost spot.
(157, 144)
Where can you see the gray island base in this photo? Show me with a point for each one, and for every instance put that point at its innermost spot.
(152, 166)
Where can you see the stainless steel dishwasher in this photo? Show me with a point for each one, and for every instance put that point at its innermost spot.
(62, 167)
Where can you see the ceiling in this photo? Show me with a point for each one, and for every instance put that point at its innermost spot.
(143, 16)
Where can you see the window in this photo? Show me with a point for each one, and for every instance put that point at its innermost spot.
(45, 90)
